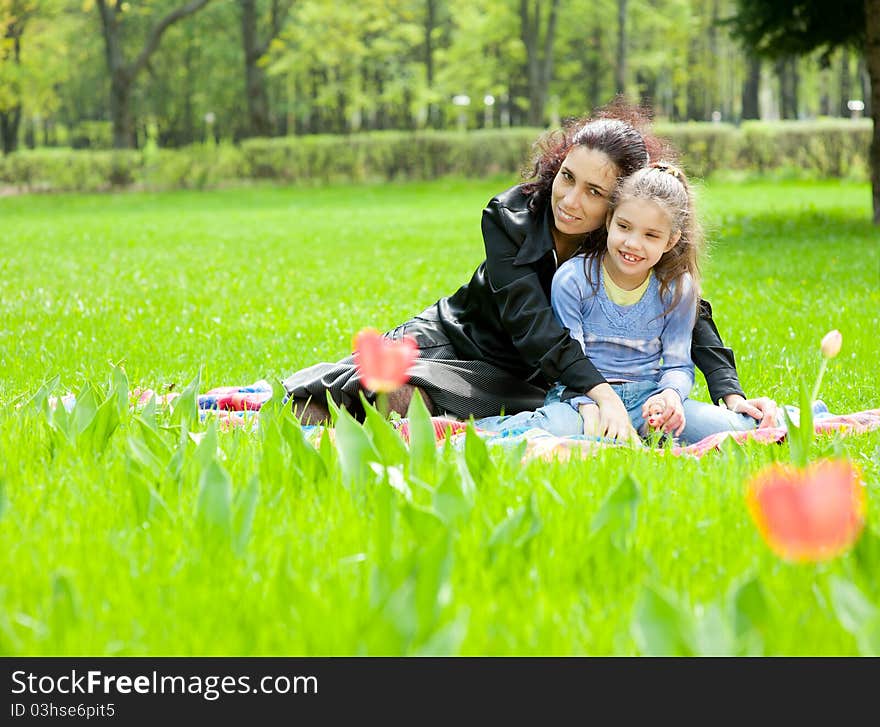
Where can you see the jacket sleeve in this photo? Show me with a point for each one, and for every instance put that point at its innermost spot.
(525, 311)
(712, 357)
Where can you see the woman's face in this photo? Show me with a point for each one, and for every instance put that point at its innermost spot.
(582, 190)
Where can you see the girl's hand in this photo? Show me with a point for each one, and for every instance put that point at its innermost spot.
(664, 411)
(762, 408)
(614, 419)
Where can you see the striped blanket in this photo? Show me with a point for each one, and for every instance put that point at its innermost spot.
(239, 406)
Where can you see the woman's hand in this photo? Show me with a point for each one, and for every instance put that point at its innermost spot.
(613, 417)
(762, 408)
(664, 411)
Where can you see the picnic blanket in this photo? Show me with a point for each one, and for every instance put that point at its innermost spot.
(239, 406)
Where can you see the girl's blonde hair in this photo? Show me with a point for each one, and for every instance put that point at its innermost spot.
(666, 185)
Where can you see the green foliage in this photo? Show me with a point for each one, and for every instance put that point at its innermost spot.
(798, 26)
(166, 534)
(60, 170)
(807, 150)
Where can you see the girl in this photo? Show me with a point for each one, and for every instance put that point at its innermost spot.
(495, 345)
(632, 301)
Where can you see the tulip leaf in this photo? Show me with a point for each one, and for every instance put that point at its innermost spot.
(432, 568)
(851, 606)
(712, 632)
(209, 446)
(245, 508)
(518, 528)
(40, 400)
(795, 443)
(868, 639)
(658, 626)
(327, 451)
(65, 602)
(749, 604)
(148, 414)
(867, 553)
(119, 390)
(333, 408)
(422, 441)
(476, 453)
(214, 505)
(273, 408)
(304, 456)
(387, 441)
(185, 411)
(617, 516)
(425, 523)
(356, 451)
(99, 430)
(87, 402)
(805, 428)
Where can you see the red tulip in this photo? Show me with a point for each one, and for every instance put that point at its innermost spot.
(383, 365)
(808, 515)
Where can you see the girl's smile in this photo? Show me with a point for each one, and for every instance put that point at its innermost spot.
(639, 232)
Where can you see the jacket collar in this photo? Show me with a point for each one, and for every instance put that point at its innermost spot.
(538, 240)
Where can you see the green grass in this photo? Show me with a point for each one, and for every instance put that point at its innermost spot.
(139, 542)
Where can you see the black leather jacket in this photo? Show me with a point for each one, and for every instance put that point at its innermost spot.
(503, 314)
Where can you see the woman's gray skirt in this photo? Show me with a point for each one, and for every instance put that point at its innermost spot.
(456, 387)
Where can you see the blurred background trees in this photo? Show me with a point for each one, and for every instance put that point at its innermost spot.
(99, 73)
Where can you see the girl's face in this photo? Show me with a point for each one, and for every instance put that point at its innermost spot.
(639, 232)
(581, 191)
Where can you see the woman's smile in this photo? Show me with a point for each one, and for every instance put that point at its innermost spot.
(566, 216)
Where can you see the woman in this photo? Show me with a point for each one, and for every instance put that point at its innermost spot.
(495, 344)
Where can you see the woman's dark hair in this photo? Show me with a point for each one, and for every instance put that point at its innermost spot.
(618, 129)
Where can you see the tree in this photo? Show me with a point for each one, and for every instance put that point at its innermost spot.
(620, 66)
(751, 89)
(259, 118)
(539, 54)
(796, 27)
(123, 73)
(14, 15)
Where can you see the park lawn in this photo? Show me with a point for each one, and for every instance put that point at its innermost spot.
(149, 540)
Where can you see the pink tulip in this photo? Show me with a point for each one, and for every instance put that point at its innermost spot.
(383, 365)
(831, 343)
(808, 515)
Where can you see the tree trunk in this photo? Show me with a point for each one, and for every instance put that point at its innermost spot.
(864, 81)
(9, 123)
(751, 89)
(11, 118)
(594, 71)
(713, 91)
(259, 123)
(845, 83)
(123, 74)
(786, 72)
(430, 23)
(872, 61)
(120, 110)
(620, 66)
(539, 56)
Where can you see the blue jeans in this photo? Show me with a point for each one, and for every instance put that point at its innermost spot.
(561, 418)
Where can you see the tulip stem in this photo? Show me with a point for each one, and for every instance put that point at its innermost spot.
(382, 403)
(819, 380)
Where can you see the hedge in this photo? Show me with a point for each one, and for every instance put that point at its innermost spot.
(807, 148)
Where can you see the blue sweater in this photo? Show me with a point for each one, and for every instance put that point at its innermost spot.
(628, 343)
